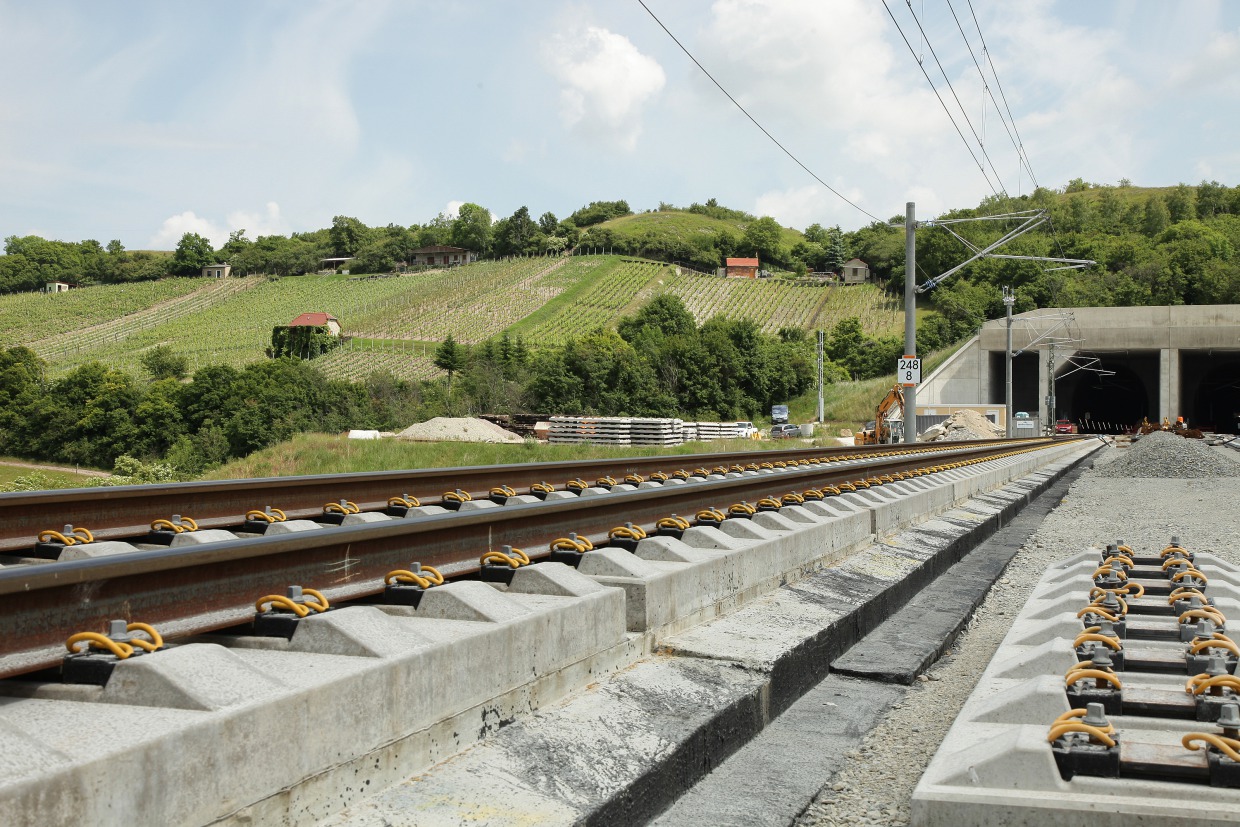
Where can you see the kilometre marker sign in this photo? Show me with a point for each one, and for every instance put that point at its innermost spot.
(908, 370)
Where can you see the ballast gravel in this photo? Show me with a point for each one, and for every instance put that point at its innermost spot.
(1105, 504)
(1164, 454)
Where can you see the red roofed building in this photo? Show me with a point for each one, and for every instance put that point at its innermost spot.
(317, 320)
(745, 268)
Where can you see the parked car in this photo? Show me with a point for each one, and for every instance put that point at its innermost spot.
(1064, 426)
(785, 431)
(1022, 414)
(746, 430)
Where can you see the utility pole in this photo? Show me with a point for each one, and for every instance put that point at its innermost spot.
(910, 316)
(1050, 387)
(1009, 299)
(821, 354)
(1029, 219)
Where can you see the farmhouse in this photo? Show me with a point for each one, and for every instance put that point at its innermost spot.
(856, 271)
(56, 287)
(217, 271)
(745, 268)
(317, 320)
(441, 256)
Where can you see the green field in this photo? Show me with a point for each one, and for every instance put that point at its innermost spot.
(330, 454)
(393, 323)
(22, 478)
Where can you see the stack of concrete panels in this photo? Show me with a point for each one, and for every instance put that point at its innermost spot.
(706, 431)
(656, 431)
(612, 430)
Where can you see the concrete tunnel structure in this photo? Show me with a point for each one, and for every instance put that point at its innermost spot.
(1155, 362)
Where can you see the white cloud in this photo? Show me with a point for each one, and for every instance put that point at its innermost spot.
(258, 224)
(453, 209)
(798, 207)
(604, 83)
(175, 226)
(300, 75)
(255, 224)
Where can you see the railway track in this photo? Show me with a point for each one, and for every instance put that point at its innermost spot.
(127, 511)
(200, 587)
(380, 684)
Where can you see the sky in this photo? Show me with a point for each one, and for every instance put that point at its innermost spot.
(143, 120)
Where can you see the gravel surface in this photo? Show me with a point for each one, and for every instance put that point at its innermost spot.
(1163, 454)
(876, 784)
(458, 429)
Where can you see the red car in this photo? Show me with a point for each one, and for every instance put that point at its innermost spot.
(1064, 426)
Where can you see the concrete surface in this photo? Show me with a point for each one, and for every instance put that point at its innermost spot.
(626, 748)
(996, 768)
(245, 730)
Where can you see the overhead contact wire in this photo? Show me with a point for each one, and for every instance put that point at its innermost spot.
(980, 143)
(991, 63)
(1015, 139)
(754, 120)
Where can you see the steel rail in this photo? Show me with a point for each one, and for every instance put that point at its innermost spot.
(118, 512)
(190, 590)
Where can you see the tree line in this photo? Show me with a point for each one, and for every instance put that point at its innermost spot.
(30, 261)
(1152, 247)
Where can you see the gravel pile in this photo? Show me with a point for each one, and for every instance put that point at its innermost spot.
(458, 429)
(1163, 454)
(876, 784)
(962, 426)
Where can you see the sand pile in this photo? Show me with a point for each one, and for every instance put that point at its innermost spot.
(962, 426)
(458, 429)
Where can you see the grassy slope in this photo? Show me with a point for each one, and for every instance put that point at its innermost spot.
(849, 404)
(544, 300)
(328, 454)
(29, 317)
(53, 479)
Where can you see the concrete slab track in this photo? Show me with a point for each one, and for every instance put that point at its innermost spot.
(701, 642)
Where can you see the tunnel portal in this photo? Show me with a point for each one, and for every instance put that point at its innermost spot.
(1211, 390)
(1111, 396)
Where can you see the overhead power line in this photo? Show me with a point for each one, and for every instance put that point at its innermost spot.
(943, 103)
(1015, 139)
(991, 63)
(754, 120)
(981, 144)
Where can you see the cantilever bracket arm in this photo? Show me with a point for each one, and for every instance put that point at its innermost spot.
(1031, 220)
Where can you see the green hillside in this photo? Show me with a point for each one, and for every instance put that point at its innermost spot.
(393, 323)
(683, 226)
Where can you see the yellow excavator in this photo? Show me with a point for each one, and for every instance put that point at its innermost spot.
(887, 426)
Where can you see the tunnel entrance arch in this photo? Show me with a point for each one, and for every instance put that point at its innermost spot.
(1114, 398)
(1211, 390)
